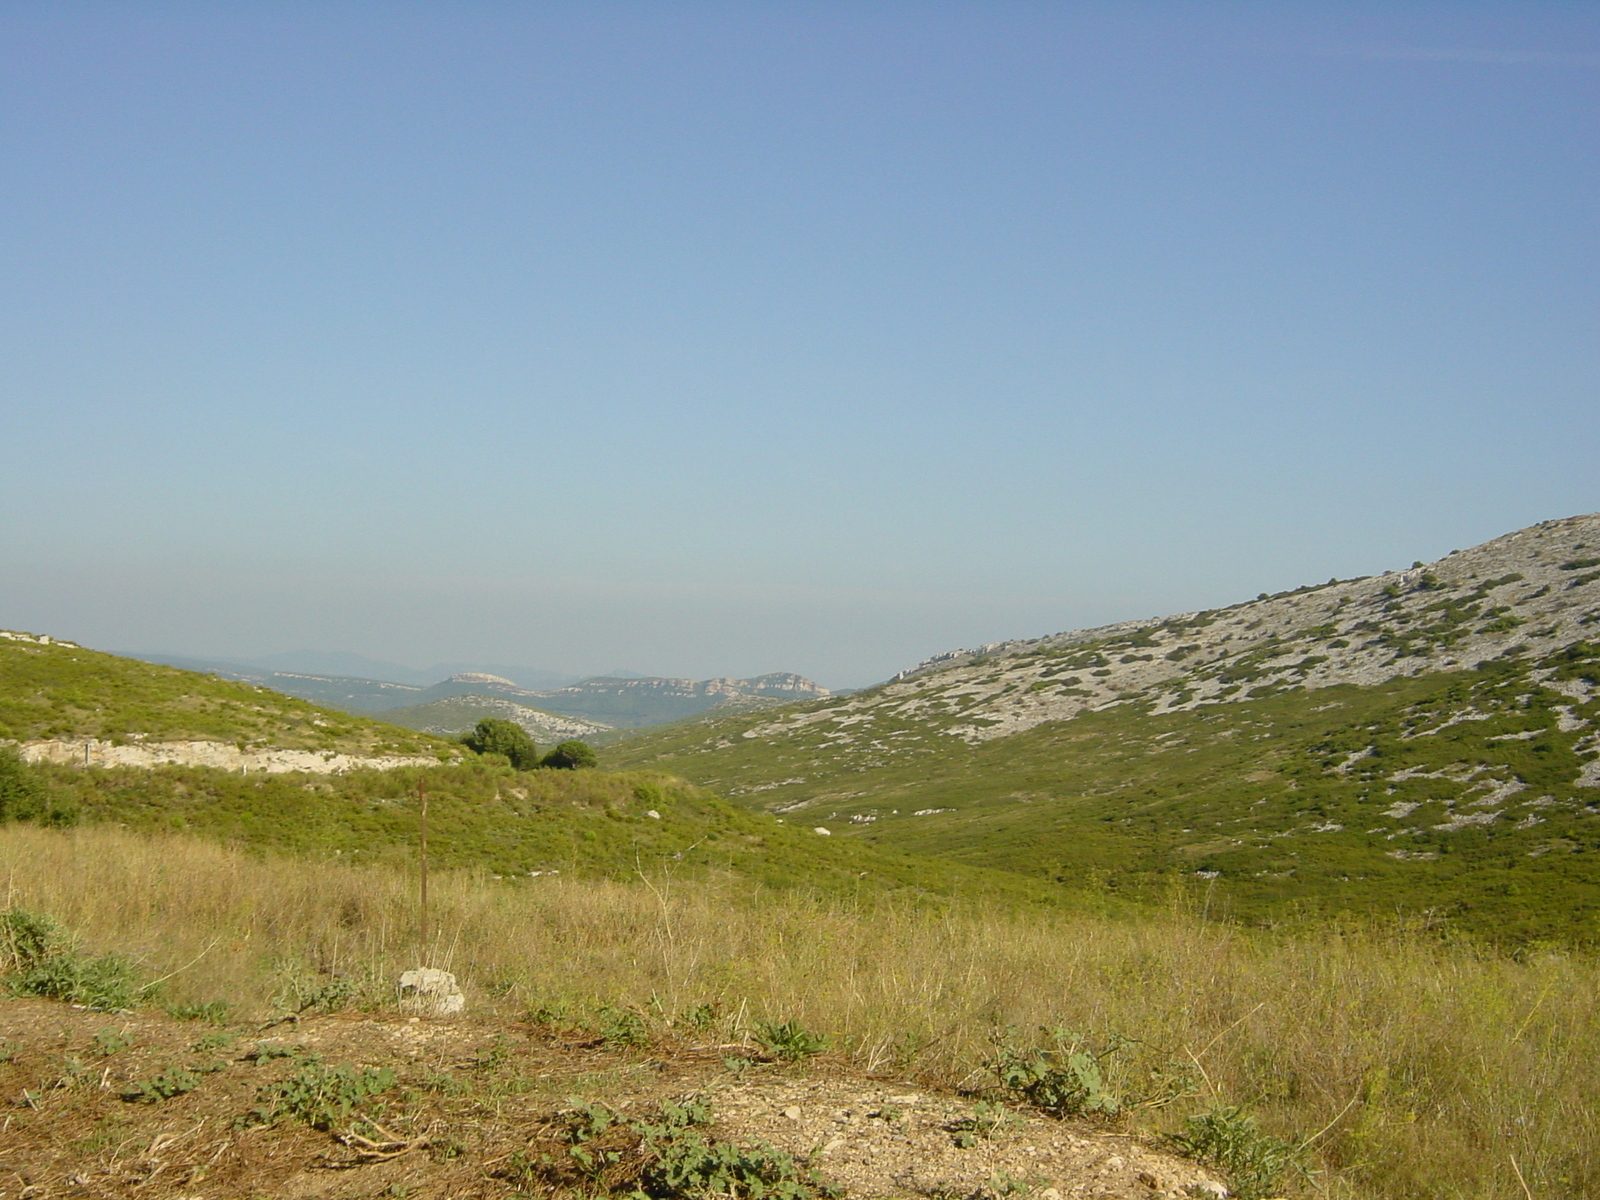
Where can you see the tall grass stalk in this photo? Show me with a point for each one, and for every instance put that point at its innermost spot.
(1421, 1068)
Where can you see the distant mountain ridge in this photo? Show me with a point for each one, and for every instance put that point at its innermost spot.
(1526, 594)
(607, 703)
(625, 703)
(343, 665)
(586, 708)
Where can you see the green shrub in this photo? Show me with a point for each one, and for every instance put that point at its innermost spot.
(174, 1081)
(690, 1164)
(21, 794)
(110, 1041)
(495, 736)
(216, 1012)
(666, 1158)
(320, 1095)
(988, 1120)
(332, 994)
(571, 756)
(1063, 1079)
(789, 1041)
(24, 796)
(41, 960)
(1228, 1139)
(27, 938)
(622, 1027)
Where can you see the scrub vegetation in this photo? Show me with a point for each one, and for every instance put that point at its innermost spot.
(485, 814)
(1386, 1064)
(1451, 799)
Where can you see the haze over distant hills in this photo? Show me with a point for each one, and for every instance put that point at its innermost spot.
(342, 664)
(576, 709)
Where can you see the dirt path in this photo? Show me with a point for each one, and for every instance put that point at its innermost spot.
(96, 1104)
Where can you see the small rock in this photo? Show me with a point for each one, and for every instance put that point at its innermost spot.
(430, 993)
(822, 831)
(652, 814)
(1050, 1194)
(792, 1112)
(1207, 1189)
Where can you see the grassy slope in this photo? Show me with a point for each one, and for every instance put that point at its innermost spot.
(1422, 1069)
(1249, 790)
(483, 815)
(66, 692)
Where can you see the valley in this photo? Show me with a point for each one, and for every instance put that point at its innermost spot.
(1181, 861)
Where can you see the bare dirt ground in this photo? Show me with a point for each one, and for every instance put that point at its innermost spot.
(97, 1104)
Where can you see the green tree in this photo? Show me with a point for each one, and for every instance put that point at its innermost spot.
(494, 736)
(569, 756)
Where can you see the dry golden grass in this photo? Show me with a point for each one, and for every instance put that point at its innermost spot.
(1420, 1069)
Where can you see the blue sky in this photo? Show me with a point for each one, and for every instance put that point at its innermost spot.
(706, 339)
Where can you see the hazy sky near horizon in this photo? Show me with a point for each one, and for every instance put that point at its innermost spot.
(713, 339)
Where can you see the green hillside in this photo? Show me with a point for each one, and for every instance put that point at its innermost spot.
(54, 690)
(517, 825)
(483, 814)
(1421, 744)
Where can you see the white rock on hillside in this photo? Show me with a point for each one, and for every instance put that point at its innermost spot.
(91, 752)
(428, 992)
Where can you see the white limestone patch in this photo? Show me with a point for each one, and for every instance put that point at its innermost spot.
(1568, 721)
(1498, 791)
(223, 755)
(1463, 820)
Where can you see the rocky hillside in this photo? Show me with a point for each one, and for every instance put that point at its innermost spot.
(1522, 595)
(1388, 741)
